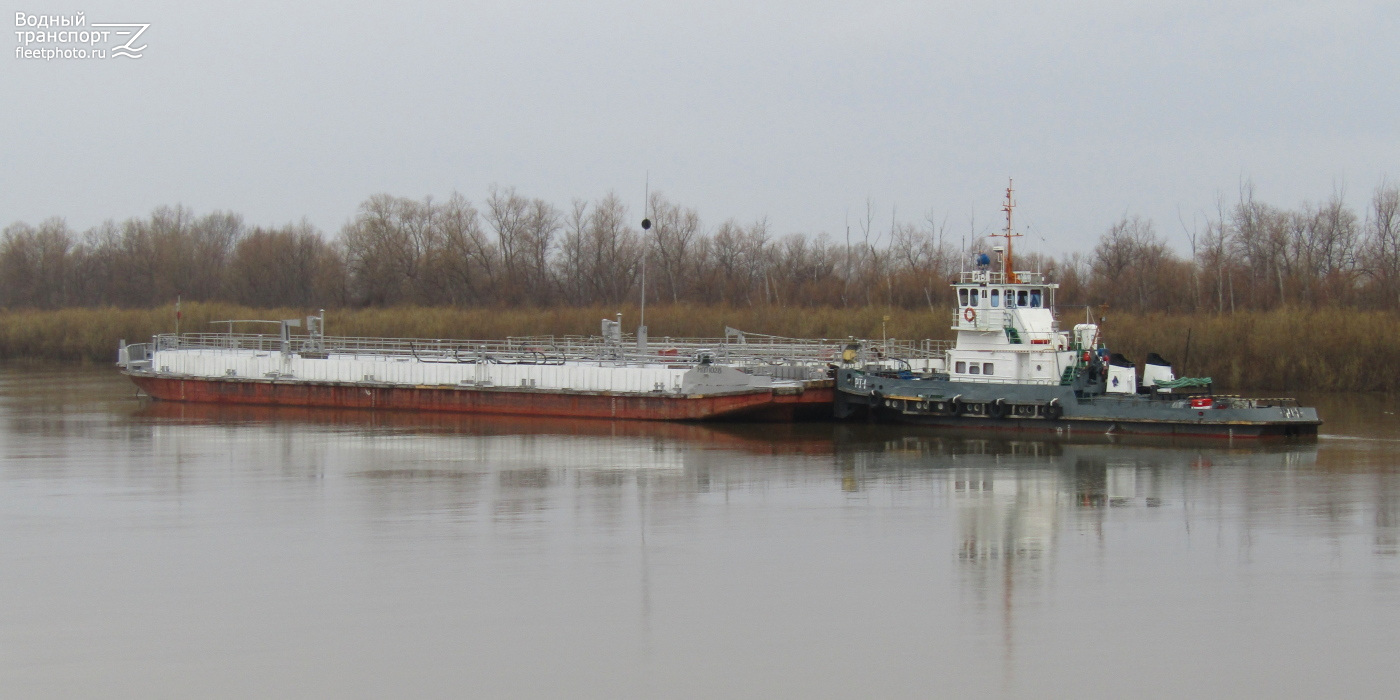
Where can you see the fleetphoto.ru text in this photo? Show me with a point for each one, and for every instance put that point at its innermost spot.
(49, 37)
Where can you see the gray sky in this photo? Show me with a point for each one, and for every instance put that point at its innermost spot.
(793, 111)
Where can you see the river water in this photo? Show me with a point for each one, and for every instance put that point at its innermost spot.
(166, 550)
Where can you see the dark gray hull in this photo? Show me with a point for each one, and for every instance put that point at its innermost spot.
(1059, 410)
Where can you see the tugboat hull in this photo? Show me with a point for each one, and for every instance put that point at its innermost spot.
(1056, 409)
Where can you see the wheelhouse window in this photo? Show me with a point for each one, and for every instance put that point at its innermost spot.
(987, 368)
(974, 369)
(1035, 298)
(960, 368)
(972, 301)
(1010, 298)
(996, 298)
(1021, 298)
(962, 297)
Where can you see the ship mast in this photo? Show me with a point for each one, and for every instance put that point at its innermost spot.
(1007, 269)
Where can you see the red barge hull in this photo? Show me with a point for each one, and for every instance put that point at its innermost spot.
(781, 404)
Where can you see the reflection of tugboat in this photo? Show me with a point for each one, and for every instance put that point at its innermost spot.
(1012, 368)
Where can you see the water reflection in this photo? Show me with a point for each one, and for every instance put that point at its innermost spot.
(1012, 498)
(716, 545)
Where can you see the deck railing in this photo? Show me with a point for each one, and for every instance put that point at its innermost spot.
(745, 349)
(996, 277)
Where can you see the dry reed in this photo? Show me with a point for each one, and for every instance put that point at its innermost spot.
(92, 334)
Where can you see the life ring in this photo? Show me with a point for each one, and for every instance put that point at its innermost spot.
(970, 315)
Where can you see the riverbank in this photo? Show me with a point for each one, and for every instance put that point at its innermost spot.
(1284, 350)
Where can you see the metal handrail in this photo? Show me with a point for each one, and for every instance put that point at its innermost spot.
(994, 277)
(756, 350)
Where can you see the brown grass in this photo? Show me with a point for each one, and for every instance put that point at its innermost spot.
(92, 334)
(1286, 350)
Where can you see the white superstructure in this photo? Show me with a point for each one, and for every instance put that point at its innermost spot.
(1007, 331)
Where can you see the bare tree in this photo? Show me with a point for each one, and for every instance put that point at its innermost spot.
(600, 257)
(1130, 265)
(1383, 222)
(390, 249)
(572, 265)
(34, 264)
(469, 262)
(674, 230)
(541, 226)
(288, 266)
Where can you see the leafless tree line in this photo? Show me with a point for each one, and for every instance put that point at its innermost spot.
(512, 250)
(1250, 255)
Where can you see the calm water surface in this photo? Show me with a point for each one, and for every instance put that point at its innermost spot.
(159, 550)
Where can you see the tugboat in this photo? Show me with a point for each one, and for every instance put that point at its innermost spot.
(1012, 368)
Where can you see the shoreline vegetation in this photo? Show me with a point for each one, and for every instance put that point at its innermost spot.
(1287, 349)
(1272, 298)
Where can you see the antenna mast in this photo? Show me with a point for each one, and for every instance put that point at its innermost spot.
(1007, 266)
(646, 226)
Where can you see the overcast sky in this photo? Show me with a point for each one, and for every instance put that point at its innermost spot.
(797, 112)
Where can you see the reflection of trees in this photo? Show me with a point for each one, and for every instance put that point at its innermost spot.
(1387, 513)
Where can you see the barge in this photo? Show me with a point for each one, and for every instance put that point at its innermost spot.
(741, 377)
(1011, 368)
